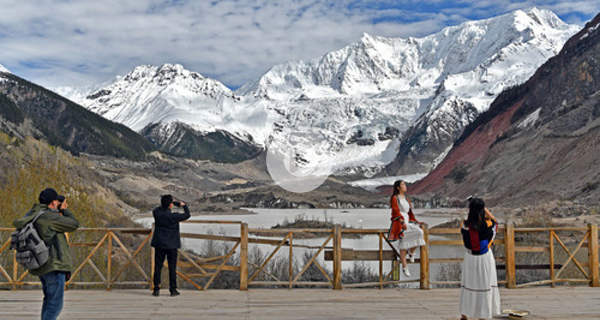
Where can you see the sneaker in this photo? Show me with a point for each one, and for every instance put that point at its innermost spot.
(175, 293)
(406, 272)
(156, 292)
(411, 258)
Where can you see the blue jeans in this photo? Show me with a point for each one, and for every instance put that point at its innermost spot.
(53, 286)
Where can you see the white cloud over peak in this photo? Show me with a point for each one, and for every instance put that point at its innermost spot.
(81, 42)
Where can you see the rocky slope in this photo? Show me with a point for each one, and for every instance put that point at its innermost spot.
(30, 110)
(539, 141)
(180, 139)
(221, 188)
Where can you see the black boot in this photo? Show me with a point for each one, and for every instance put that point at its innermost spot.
(174, 293)
(156, 292)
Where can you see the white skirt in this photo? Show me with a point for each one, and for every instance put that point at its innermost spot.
(412, 237)
(479, 295)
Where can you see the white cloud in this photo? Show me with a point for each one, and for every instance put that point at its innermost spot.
(80, 42)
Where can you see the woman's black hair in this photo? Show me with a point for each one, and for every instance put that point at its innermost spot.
(476, 214)
(396, 186)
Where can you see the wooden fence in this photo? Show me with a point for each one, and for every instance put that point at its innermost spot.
(109, 257)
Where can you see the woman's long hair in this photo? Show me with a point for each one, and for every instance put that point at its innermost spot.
(397, 186)
(476, 214)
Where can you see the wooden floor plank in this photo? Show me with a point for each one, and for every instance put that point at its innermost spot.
(282, 304)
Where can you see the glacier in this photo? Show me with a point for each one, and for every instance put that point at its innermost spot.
(352, 106)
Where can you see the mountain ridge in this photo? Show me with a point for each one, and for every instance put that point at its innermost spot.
(351, 97)
(27, 109)
(538, 141)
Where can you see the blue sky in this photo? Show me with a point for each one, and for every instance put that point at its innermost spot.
(83, 42)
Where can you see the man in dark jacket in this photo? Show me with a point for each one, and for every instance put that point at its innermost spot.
(51, 227)
(166, 240)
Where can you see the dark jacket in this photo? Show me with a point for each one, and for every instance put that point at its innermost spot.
(51, 227)
(479, 241)
(166, 228)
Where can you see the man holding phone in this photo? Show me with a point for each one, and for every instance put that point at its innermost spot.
(166, 241)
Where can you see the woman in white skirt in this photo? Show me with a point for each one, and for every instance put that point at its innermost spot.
(479, 295)
(404, 227)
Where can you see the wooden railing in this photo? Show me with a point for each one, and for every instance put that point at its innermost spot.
(109, 257)
(100, 255)
(590, 237)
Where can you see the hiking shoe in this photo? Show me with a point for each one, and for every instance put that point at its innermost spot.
(406, 272)
(175, 293)
(156, 293)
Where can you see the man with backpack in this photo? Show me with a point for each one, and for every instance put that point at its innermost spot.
(51, 220)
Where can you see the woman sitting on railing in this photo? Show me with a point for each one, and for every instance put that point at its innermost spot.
(479, 296)
(404, 227)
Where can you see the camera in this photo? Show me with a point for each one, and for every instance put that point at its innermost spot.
(60, 199)
(177, 203)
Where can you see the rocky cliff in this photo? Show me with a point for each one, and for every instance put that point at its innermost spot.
(538, 141)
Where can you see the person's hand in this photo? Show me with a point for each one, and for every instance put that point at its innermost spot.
(405, 226)
(64, 205)
(488, 214)
(181, 204)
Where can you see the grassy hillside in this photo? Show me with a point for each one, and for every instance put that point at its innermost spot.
(29, 166)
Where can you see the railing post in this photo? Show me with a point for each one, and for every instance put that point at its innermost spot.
(509, 246)
(551, 249)
(244, 257)
(593, 256)
(380, 260)
(15, 270)
(109, 253)
(425, 258)
(337, 257)
(291, 259)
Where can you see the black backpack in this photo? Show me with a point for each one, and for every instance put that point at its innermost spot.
(32, 251)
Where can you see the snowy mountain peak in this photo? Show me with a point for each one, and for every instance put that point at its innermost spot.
(156, 94)
(358, 100)
(3, 69)
(375, 64)
(169, 74)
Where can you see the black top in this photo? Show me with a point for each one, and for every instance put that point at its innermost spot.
(479, 241)
(166, 228)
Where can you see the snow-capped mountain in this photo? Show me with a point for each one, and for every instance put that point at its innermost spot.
(3, 69)
(440, 82)
(151, 94)
(349, 108)
(530, 39)
(182, 106)
(554, 116)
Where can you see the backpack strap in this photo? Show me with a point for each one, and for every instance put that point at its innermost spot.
(39, 214)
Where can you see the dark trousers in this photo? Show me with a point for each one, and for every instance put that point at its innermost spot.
(159, 260)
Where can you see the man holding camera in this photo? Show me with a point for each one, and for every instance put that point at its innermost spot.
(54, 221)
(166, 241)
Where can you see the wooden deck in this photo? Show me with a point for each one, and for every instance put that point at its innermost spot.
(542, 302)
